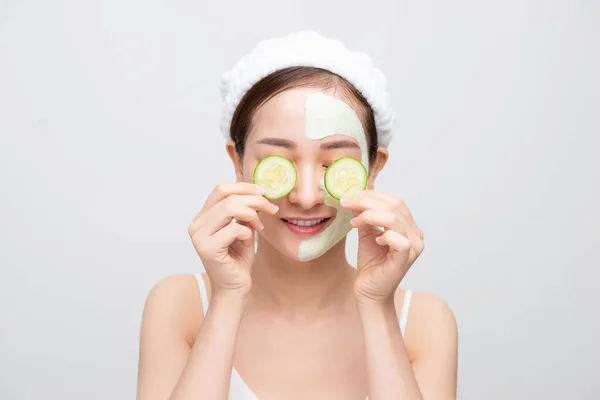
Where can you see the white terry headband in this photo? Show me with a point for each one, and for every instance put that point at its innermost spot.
(309, 49)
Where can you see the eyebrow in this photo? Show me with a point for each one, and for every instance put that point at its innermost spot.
(340, 144)
(288, 144)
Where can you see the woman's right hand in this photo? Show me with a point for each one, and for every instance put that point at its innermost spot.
(225, 245)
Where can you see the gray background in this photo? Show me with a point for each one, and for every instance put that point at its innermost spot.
(109, 144)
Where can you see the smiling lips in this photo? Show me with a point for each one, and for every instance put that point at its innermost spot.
(306, 227)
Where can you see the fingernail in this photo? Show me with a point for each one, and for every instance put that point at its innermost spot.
(344, 201)
(260, 190)
(275, 208)
(261, 227)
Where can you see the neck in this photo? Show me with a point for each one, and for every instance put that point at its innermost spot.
(296, 287)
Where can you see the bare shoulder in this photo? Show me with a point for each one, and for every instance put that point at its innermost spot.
(431, 309)
(430, 321)
(171, 319)
(175, 301)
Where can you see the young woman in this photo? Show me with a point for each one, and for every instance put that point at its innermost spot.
(280, 313)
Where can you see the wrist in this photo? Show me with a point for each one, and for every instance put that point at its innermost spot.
(377, 316)
(370, 296)
(368, 299)
(229, 298)
(237, 291)
(369, 305)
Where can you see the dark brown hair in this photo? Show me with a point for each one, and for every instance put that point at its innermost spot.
(294, 77)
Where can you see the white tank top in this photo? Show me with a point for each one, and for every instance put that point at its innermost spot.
(238, 389)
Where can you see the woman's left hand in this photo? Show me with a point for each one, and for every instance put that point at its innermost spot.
(384, 256)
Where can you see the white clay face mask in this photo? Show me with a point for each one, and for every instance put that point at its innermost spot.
(326, 116)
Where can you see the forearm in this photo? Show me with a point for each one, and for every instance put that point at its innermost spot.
(390, 374)
(207, 373)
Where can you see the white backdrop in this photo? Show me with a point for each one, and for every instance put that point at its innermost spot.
(109, 144)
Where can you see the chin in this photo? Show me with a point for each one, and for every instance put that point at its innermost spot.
(287, 247)
(277, 241)
(290, 249)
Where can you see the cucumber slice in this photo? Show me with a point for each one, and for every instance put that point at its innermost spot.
(345, 176)
(276, 175)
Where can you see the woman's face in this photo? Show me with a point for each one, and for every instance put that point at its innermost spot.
(311, 129)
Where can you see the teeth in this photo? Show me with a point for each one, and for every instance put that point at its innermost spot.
(305, 223)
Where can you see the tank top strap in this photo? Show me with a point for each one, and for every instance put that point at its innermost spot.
(203, 292)
(404, 312)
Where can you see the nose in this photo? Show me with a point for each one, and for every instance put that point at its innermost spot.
(307, 192)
